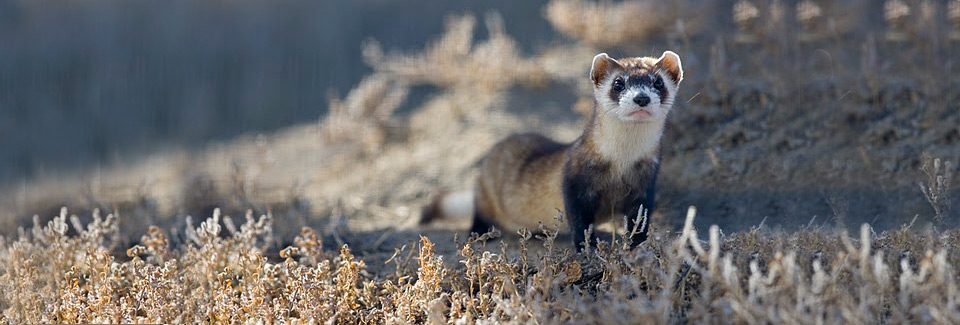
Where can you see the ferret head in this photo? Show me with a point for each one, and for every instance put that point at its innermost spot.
(638, 89)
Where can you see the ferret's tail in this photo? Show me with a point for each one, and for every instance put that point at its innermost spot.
(448, 206)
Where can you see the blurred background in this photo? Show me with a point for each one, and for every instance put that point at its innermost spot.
(352, 114)
(87, 83)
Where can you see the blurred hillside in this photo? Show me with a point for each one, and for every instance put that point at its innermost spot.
(84, 83)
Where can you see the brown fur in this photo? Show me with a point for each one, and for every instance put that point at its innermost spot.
(609, 171)
(520, 182)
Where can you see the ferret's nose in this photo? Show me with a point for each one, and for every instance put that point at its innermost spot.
(642, 100)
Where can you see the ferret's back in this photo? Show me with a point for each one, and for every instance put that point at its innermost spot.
(520, 182)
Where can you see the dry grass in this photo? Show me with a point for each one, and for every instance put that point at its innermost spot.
(53, 273)
(939, 174)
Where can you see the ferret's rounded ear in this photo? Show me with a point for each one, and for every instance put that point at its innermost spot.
(602, 66)
(671, 63)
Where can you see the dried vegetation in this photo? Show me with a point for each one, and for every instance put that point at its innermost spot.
(55, 274)
(456, 61)
(607, 23)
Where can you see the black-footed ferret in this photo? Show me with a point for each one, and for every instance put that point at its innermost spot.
(609, 171)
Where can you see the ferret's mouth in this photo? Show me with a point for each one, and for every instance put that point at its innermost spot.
(640, 115)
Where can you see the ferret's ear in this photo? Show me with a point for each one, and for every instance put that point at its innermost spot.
(602, 66)
(670, 62)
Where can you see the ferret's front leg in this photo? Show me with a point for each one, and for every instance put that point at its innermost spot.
(580, 202)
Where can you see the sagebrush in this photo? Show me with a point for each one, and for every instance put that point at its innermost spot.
(55, 273)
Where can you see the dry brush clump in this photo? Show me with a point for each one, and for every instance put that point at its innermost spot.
(938, 173)
(608, 23)
(366, 114)
(473, 77)
(54, 273)
(456, 61)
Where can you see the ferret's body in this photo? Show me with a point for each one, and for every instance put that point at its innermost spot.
(520, 183)
(610, 171)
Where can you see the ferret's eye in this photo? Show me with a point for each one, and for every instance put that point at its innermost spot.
(618, 85)
(658, 83)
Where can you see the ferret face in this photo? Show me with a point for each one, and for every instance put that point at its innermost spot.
(638, 90)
